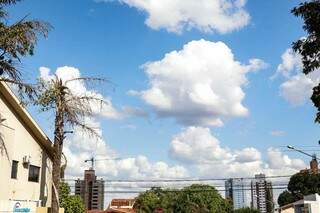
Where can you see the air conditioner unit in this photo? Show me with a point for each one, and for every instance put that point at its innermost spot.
(26, 160)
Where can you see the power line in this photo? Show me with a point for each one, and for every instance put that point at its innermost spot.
(184, 180)
(178, 191)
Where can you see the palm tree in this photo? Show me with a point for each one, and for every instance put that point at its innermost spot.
(16, 41)
(70, 111)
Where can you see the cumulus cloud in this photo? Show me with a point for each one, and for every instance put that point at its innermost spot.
(221, 16)
(278, 161)
(198, 147)
(111, 165)
(297, 87)
(81, 147)
(200, 141)
(277, 133)
(202, 84)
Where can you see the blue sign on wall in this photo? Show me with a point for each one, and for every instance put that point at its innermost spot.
(17, 208)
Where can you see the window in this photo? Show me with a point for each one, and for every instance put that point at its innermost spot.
(34, 173)
(14, 169)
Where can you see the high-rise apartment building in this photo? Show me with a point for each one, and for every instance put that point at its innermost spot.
(236, 191)
(91, 190)
(262, 194)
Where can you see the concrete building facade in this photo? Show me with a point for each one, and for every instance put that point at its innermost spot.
(262, 194)
(91, 190)
(25, 157)
(236, 191)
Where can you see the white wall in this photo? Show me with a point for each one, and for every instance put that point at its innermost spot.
(20, 143)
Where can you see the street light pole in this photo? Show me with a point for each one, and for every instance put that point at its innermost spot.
(298, 150)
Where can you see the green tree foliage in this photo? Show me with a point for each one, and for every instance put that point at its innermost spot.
(202, 198)
(246, 210)
(300, 184)
(309, 47)
(70, 203)
(195, 198)
(285, 198)
(304, 183)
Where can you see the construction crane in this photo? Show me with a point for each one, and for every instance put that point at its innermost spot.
(93, 160)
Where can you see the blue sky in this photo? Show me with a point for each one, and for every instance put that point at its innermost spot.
(112, 40)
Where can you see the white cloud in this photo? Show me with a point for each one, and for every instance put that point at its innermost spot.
(291, 62)
(200, 85)
(200, 141)
(81, 147)
(247, 155)
(278, 161)
(198, 147)
(297, 88)
(277, 133)
(221, 16)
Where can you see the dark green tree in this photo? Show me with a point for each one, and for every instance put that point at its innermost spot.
(17, 40)
(156, 198)
(202, 198)
(285, 198)
(246, 210)
(309, 47)
(300, 184)
(70, 203)
(304, 183)
(195, 198)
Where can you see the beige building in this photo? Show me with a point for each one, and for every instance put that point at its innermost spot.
(25, 160)
(309, 204)
(91, 190)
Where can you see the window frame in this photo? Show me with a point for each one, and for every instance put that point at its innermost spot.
(32, 172)
(14, 173)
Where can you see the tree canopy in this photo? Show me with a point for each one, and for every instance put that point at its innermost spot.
(70, 203)
(195, 198)
(309, 47)
(300, 184)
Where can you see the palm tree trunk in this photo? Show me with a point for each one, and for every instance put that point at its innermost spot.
(58, 145)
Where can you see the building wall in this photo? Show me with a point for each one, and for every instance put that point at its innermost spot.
(20, 142)
(239, 194)
(261, 194)
(91, 190)
(289, 210)
(235, 190)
